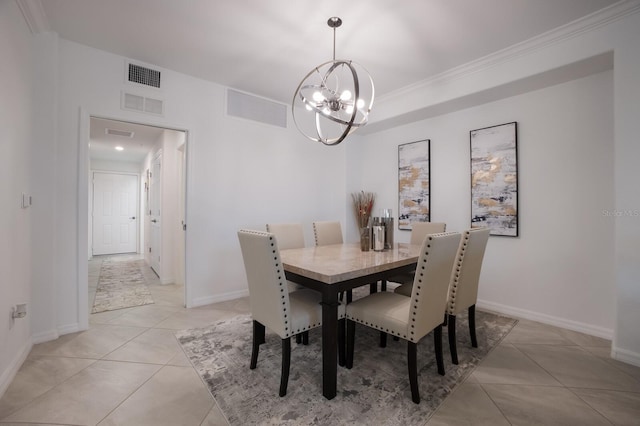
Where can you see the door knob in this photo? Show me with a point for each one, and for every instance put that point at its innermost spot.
(153, 220)
(132, 217)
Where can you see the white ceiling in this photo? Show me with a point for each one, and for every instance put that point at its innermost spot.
(135, 149)
(266, 47)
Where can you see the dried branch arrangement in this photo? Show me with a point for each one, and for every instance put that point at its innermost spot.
(363, 205)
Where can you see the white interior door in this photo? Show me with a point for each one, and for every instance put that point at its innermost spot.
(115, 205)
(155, 194)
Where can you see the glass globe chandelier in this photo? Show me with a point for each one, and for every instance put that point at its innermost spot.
(334, 99)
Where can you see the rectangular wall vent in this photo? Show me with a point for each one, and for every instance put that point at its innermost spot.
(257, 109)
(123, 133)
(142, 75)
(142, 104)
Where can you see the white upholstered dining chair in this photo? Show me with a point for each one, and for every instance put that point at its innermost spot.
(290, 236)
(411, 318)
(419, 230)
(272, 306)
(327, 233)
(463, 284)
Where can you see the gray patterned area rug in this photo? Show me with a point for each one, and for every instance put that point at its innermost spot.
(121, 285)
(375, 392)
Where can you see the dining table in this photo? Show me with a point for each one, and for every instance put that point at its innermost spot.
(333, 269)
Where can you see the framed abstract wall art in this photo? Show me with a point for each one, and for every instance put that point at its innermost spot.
(414, 186)
(494, 179)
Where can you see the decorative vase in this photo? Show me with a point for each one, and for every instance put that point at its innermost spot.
(365, 238)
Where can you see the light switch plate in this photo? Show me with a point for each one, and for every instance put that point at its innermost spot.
(26, 200)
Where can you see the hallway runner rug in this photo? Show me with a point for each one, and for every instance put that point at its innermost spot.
(121, 285)
(375, 392)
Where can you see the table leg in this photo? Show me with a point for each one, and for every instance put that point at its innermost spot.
(329, 344)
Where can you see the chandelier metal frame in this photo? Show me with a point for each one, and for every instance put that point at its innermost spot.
(322, 93)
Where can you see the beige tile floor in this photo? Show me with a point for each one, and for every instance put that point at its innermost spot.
(128, 369)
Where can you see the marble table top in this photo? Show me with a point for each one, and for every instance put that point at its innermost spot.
(340, 262)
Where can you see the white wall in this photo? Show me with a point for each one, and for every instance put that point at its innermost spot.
(170, 200)
(617, 30)
(626, 343)
(115, 166)
(16, 116)
(561, 268)
(240, 174)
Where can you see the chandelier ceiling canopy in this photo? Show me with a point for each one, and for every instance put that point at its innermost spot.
(334, 99)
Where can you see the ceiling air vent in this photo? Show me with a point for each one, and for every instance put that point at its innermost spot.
(142, 75)
(140, 103)
(123, 133)
(254, 108)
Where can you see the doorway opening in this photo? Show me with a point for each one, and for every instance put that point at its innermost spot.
(137, 206)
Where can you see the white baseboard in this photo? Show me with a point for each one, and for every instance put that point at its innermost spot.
(9, 374)
(626, 356)
(69, 328)
(201, 301)
(45, 336)
(589, 329)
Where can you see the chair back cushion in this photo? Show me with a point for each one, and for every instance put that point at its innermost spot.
(327, 233)
(463, 288)
(419, 230)
(431, 283)
(268, 293)
(289, 235)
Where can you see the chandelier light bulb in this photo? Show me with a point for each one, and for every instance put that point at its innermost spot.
(345, 96)
(318, 97)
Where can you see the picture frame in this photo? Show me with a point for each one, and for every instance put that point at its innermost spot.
(494, 179)
(414, 183)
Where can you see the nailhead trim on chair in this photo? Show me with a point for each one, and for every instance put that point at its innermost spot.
(412, 326)
(456, 279)
(282, 287)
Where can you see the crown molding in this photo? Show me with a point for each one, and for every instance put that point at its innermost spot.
(34, 15)
(573, 29)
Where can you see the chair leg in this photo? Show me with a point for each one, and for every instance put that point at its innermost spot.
(383, 285)
(452, 339)
(349, 296)
(305, 337)
(383, 339)
(341, 343)
(351, 337)
(286, 362)
(299, 338)
(446, 318)
(472, 325)
(412, 363)
(258, 338)
(373, 288)
(437, 341)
